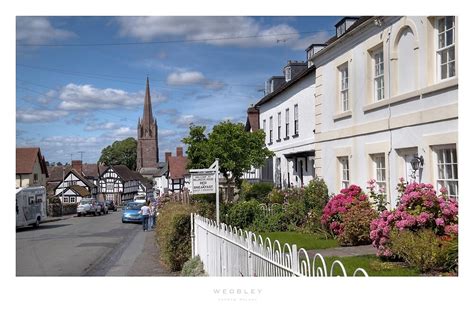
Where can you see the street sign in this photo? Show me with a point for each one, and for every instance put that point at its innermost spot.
(203, 183)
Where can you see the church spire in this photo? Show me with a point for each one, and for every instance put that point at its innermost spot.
(147, 111)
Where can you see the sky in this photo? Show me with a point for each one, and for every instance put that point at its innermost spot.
(80, 81)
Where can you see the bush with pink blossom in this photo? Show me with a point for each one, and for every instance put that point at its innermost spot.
(332, 217)
(419, 207)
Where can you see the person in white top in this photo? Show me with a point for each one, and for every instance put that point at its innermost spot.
(145, 211)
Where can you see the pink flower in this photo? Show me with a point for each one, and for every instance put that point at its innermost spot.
(439, 222)
(451, 229)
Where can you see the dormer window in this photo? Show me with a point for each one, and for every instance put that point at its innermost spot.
(287, 74)
(343, 25)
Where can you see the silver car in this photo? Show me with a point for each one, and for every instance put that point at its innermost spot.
(88, 206)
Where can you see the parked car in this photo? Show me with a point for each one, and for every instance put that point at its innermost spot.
(131, 213)
(111, 205)
(103, 209)
(88, 206)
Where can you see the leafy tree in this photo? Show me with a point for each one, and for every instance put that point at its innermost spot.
(122, 152)
(236, 149)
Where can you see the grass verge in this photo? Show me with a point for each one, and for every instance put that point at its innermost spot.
(302, 240)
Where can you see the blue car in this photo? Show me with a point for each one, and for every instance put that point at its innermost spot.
(131, 213)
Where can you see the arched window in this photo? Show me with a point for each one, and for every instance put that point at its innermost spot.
(406, 65)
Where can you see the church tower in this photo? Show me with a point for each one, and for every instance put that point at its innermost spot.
(147, 130)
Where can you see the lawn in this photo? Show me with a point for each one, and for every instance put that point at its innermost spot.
(302, 240)
(372, 265)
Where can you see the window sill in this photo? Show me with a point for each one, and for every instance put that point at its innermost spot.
(342, 115)
(445, 84)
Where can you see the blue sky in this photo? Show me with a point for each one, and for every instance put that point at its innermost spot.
(78, 91)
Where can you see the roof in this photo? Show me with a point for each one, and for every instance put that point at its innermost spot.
(91, 170)
(82, 178)
(56, 173)
(163, 168)
(361, 20)
(26, 158)
(80, 190)
(286, 85)
(124, 173)
(177, 167)
(143, 180)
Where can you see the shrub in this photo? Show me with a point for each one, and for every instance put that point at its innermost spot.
(193, 267)
(316, 195)
(258, 191)
(339, 204)
(270, 221)
(294, 215)
(242, 214)
(276, 196)
(423, 249)
(418, 207)
(173, 234)
(357, 224)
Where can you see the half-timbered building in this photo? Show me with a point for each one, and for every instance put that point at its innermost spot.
(74, 178)
(119, 184)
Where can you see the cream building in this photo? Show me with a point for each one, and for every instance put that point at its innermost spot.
(386, 90)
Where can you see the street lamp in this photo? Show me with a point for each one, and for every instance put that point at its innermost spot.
(416, 163)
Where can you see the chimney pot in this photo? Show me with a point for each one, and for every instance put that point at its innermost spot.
(77, 165)
(179, 151)
(167, 156)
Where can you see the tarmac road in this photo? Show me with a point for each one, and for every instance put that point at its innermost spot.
(82, 246)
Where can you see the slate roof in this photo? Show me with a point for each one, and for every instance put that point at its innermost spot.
(56, 173)
(144, 181)
(25, 160)
(80, 190)
(124, 173)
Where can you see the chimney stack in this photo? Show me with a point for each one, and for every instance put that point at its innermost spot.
(179, 151)
(77, 165)
(167, 156)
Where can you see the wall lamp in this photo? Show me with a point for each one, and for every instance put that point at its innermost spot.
(417, 162)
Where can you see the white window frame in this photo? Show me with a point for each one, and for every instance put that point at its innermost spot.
(344, 87)
(378, 73)
(344, 171)
(264, 123)
(66, 199)
(287, 123)
(295, 113)
(441, 178)
(445, 49)
(279, 126)
(380, 171)
(72, 199)
(270, 128)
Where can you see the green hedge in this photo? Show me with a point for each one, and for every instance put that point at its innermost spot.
(173, 233)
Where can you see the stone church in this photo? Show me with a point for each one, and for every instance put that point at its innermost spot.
(148, 164)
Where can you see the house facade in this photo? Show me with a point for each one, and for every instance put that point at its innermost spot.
(31, 168)
(386, 92)
(119, 184)
(286, 114)
(74, 187)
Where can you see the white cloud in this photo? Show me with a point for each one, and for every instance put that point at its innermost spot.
(95, 126)
(38, 30)
(39, 116)
(182, 78)
(250, 33)
(86, 97)
(318, 38)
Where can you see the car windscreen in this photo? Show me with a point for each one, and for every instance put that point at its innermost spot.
(134, 206)
(84, 201)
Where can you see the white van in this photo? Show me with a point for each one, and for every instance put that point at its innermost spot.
(140, 198)
(30, 206)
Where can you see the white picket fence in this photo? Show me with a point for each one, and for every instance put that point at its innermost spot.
(228, 251)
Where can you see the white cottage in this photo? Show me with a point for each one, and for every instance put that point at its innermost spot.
(387, 92)
(74, 187)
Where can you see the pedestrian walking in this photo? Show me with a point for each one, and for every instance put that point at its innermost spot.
(145, 211)
(150, 218)
(154, 210)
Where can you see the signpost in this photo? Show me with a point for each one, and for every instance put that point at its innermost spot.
(206, 181)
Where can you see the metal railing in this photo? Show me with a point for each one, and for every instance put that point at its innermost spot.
(228, 251)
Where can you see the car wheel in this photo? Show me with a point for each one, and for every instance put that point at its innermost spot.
(78, 214)
(37, 223)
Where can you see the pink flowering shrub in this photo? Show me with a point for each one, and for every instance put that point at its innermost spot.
(419, 207)
(332, 217)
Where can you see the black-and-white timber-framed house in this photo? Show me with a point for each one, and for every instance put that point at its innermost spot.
(119, 184)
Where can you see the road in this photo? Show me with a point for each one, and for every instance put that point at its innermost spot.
(86, 246)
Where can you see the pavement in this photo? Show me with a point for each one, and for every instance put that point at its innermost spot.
(344, 251)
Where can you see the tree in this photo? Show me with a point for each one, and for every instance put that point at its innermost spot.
(122, 152)
(236, 149)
